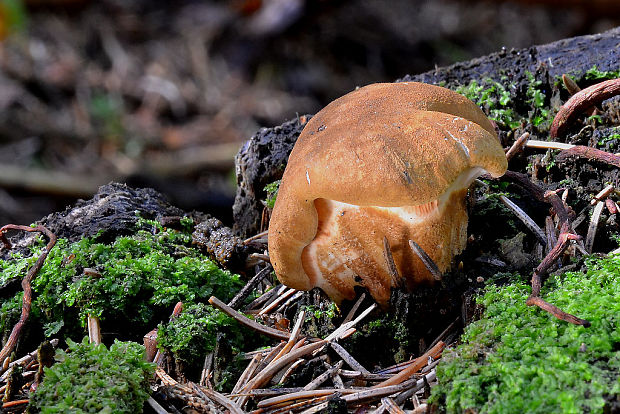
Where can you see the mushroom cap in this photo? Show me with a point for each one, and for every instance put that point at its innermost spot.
(383, 145)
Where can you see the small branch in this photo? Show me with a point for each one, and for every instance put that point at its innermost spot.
(26, 281)
(344, 328)
(417, 365)
(266, 374)
(354, 309)
(375, 393)
(156, 406)
(527, 220)
(25, 360)
(247, 373)
(12, 404)
(284, 376)
(570, 84)
(602, 194)
(299, 395)
(265, 330)
(266, 297)
(352, 362)
(534, 299)
(589, 153)
(397, 281)
(557, 312)
(541, 195)
(302, 404)
(281, 298)
(314, 384)
(94, 330)
(391, 406)
(293, 336)
(518, 145)
(551, 234)
(426, 259)
(249, 287)
(555, 253)
(255, 237)
(580, 101)
(208, 394)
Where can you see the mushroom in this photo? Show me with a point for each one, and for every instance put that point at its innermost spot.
(387, 161)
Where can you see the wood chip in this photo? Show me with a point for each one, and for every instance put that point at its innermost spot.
(602, 194)
(532, 143)
(596, 215)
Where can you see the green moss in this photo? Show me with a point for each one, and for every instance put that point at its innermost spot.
(609, 139)
(595, 74)
(92, 379)
(539, 115)
(397, 341)
(508, 105)
(494, 98)
(195, 332)
(272, 192)
(520, 359)
(136, 279)
(317, 313)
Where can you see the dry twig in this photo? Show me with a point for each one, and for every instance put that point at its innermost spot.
(27, 299)
(265, 330)
(276, 365)
(518, 145)
(602, 194)
(417, 365)
(426, 259)
(315, 383)
(589, 153)
(534, 299)
(249, 287)
(397, 281)
(525, 219)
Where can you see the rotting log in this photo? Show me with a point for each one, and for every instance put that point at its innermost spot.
(261, 160)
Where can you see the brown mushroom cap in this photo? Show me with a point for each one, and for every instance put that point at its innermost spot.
(384, 145)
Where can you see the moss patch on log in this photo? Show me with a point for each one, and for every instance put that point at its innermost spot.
(131, 282)
(520, 359)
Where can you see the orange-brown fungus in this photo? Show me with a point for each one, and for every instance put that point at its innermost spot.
(387, 160)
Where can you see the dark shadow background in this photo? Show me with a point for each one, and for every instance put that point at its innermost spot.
(162, 93)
